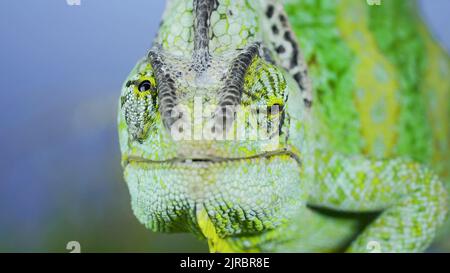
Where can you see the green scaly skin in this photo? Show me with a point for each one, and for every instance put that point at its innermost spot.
(362, 131)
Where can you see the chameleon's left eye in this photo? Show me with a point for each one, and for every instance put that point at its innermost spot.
(140, 105)
(144, 86)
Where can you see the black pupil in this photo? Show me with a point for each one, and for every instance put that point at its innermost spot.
(144, 86)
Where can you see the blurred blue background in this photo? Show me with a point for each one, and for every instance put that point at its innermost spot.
(61, 68)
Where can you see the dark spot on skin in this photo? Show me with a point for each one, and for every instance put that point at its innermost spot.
(154, 100)
(298, 79)
(280, 126)
(283, 20)
(230, 12)
(122, 101)
(307, 102)
(275, 29)
(294, 59)
(280, 49)
(270, 10)
(129, 83)
(287, 36)
(268, 55)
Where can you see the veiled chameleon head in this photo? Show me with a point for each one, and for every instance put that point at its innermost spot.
(215, 134)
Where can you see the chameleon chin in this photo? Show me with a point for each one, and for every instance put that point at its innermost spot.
(353, 133)
(228, 198)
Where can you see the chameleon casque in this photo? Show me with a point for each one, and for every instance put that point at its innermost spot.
(356, 97)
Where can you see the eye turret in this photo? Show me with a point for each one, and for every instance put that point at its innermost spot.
(139, 103)
(275, 109)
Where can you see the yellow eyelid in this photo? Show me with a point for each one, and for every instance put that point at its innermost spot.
(275, 100)
(152, 81)
(142, 79)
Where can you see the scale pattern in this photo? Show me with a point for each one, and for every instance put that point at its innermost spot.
(363, 126)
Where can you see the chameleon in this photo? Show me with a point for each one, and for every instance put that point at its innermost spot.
(290, 126)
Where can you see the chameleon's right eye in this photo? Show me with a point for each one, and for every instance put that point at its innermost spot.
(275, 109)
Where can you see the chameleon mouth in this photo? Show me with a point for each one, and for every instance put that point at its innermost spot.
(212, 160)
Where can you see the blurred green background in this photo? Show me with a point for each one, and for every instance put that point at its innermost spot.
(61, 69)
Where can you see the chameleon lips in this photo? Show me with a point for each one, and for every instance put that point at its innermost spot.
(179, 160)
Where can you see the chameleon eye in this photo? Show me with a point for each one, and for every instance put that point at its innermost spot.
(275, 109)
(144, 86)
